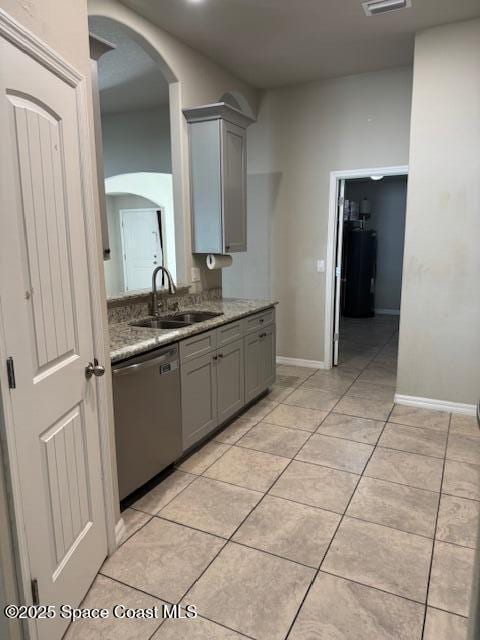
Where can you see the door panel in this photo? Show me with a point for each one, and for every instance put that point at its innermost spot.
(230, 380)
(41, 171)
(234, 188)
(253, 375)
(46, 320)
(267, 357)
(141, 246)
(199, 398)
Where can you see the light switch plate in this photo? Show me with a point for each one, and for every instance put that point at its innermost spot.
(195, 274)
(320, 266)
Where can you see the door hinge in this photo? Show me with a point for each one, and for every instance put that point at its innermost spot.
(35, 594)
(11, 373)
(336, 337)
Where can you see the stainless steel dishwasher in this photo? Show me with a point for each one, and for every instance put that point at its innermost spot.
(148, 427)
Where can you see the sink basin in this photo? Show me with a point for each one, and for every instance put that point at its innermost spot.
(192, 317)
(160, 323)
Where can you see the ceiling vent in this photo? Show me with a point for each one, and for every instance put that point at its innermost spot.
(374, 7)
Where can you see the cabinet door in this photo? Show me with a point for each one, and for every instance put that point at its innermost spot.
(199, 398)
(253, 375)
(267, 357)
(230, 380)
(234, 187)
(206, 186)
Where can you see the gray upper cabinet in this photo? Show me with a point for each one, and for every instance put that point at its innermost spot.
(218, 175)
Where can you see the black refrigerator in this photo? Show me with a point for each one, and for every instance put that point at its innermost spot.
(359, 261)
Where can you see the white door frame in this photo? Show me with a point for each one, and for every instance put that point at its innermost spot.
(335, 177)
(22, 38)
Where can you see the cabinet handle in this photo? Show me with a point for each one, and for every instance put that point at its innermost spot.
(220, 355)
(214, 357)
(262, 320)
(262, 335)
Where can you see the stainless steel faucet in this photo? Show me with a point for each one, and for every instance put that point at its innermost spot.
(171, 286)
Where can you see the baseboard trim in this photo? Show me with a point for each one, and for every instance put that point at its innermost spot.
(388, 312)
(439, 405)
(300, 362)
(120, 531)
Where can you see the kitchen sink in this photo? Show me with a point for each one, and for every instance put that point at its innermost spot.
(178, 321)
(160, 323)
(191, 317)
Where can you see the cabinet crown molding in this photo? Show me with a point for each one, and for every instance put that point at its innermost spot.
(217, 111)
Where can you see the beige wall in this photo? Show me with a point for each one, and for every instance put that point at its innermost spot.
(194, 80)
(439, 354)
(303, 133)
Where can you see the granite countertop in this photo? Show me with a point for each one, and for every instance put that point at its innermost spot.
(127, 341)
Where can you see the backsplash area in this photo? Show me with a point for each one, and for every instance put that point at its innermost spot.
(138, 305)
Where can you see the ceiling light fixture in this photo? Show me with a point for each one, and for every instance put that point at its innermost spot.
(376, 177)
(374, 7)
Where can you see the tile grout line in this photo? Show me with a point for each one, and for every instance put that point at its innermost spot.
(342, 517)
(333, 537)
(435, 532)
(230, 539)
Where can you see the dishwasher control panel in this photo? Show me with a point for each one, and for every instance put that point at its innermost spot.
(168, 367)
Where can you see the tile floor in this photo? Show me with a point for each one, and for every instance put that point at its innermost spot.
(322, 512)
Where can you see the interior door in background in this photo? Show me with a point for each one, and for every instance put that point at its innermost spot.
(141, 245)
(46, 325)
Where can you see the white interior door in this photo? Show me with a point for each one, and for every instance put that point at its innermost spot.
(141, 246)
(45, 321)
(338, 270)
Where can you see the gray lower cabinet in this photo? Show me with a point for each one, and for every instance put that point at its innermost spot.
(199, 398)
(260, 359)
(230, 383)
(222, 370)
(253, 379)
(268, 356)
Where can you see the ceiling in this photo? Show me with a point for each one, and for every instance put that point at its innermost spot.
(272, 43)
(129, 79)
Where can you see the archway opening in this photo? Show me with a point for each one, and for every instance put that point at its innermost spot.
(134, 87)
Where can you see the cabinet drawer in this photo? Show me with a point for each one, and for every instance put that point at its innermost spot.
(198, 345)
(259, 320)
(229, 332)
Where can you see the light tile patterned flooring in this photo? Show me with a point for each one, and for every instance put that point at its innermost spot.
(323, 512)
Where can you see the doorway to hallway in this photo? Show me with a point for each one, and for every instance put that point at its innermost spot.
(366, 247)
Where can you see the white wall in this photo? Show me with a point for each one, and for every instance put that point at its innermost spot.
(439, 354)
(302, 134)
(137, 141)
(388, 198)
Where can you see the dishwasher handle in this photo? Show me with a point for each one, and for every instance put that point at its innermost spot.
(163, 358)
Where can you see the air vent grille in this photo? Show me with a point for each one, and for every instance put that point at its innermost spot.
(374, 7)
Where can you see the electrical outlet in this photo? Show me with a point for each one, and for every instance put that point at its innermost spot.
(195, 274)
